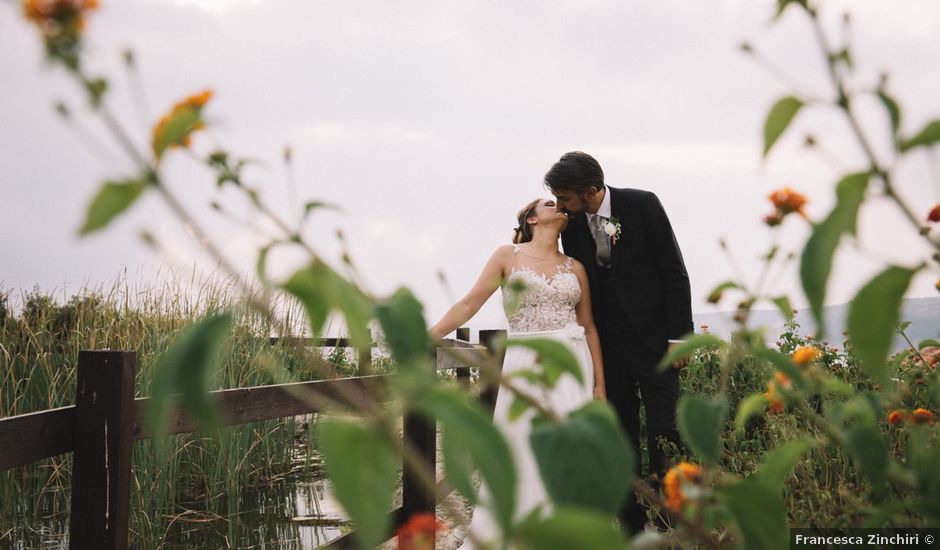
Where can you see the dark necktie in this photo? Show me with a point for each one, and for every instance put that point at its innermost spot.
(601, 240)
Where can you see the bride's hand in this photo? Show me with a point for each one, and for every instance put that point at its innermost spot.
(600, 393)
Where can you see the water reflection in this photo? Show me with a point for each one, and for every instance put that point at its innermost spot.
(296, 511)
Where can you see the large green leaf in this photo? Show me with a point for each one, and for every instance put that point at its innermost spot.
(928, 136)
(321, 290)
(554, 357)
(570, 528)
(113, 198)
(873, 316)
(690, 346)
(402, 319)
(470, 434)
(869, 448)
(816, 260)
(362, 468)
(759, 514)
(585, 461)
(780, 116)
(187, 369)
(700, 423)
(777, 463)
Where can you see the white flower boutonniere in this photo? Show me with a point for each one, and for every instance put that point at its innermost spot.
(612, 228)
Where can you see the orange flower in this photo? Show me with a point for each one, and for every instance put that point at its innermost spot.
(418, 532)
(678, 480)
(175, 129)
(58, 17)
(895, 417)
(928, 356)
(783, 380)
(804, 355)
(773, 396)
(934, 215)
(921, 416)
(787, 200)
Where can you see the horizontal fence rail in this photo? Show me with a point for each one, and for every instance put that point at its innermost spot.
(30, 437)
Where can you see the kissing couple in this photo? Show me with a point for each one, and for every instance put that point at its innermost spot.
(617, 296)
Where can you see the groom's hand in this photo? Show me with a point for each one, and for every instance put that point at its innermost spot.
(680, 363)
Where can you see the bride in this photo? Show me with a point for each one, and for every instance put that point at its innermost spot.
(556, 304)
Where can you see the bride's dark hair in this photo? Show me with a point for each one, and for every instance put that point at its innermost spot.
(523, 231)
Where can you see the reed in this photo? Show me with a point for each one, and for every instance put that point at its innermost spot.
(178, 484)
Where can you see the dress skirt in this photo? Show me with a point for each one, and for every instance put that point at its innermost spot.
(567, 395)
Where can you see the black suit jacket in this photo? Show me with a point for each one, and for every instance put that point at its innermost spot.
(650, 279)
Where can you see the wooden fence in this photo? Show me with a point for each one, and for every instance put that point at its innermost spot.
(106, 420)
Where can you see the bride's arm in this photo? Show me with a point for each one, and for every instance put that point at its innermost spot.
(486, 285)
(586, 320)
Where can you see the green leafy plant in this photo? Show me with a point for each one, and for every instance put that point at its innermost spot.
(838, 411)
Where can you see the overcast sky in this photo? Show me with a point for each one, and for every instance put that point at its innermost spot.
(432, 123)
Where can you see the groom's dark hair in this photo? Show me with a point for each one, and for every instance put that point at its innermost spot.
(575, 171)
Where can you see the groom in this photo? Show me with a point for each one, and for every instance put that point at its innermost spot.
(640, 297)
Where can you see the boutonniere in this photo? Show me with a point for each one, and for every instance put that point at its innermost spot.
(612, 228)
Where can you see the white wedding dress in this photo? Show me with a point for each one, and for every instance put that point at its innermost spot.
(546, 309)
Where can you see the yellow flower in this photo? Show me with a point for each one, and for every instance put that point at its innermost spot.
(804, 355)
(175, 129)
(677, 482)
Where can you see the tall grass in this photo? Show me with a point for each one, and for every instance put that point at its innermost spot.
(178, 483)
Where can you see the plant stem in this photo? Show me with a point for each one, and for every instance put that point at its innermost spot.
(844, 101)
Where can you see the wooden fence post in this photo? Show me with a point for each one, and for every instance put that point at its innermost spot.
(489, 339)
(463, 373)
(365, 358)
(101, 474)
(422, 433)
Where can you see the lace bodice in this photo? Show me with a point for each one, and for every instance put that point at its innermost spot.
(546, 302)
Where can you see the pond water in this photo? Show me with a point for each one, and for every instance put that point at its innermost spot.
(296, 511)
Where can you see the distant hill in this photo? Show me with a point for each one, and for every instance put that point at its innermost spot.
(923, 313)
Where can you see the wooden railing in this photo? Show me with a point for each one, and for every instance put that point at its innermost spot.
(101, 427)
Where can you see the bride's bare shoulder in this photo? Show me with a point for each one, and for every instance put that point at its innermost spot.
(505, 251)
(576, 266)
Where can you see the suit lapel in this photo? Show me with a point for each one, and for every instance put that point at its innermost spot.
(585, 236)
(616, 211)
